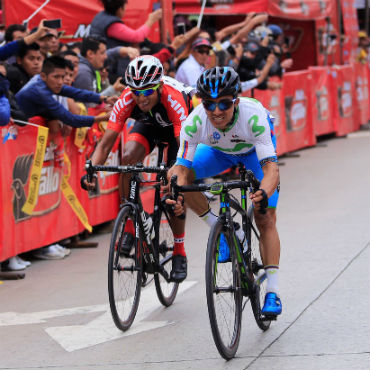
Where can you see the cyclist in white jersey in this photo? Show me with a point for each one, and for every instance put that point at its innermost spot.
(221, 132)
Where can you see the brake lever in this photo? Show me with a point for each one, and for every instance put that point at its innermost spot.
(89, 170)
(175, 194)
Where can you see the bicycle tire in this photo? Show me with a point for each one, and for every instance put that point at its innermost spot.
(260, 278)
(124, 286)
(166, 291)
(224, 276)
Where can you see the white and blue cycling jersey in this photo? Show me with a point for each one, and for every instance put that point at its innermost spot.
(249, 139)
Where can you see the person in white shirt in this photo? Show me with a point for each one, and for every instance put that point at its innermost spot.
(190, 70)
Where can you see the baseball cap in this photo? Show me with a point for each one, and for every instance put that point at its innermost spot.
(200, 41)
(275, 29)
(251, 46)
(362, 34)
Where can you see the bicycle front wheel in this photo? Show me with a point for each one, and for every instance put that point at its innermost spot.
(223, 291)
(166, 291)
(259, 273)
(124, 273)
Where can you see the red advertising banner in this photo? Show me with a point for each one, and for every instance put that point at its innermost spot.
(53, 217)
(321, 101)
(301, 9)
(350, 25)
(296, 101)
(76, 15)
(343, 95)
(271, 99)
(362, 93)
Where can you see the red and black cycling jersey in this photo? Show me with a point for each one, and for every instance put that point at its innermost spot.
(172, 109)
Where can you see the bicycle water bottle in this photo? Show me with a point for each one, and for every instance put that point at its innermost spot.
(241, 236)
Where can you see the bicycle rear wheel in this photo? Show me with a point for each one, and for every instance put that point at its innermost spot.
(166, 291)
(260, 278)
(224, 297)
(124, 273)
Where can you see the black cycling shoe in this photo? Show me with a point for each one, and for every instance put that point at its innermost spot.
(179, 268)
(127, 244)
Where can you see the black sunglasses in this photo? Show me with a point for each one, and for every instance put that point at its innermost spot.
(222, 105)
(202, 51)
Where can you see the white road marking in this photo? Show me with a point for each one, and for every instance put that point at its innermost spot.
(99, 330)
(358, 134)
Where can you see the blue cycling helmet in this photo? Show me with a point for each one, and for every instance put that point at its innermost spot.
(275, 29)
(218, 81)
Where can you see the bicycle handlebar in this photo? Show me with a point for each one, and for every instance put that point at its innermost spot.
(227, 185)
(138, 168)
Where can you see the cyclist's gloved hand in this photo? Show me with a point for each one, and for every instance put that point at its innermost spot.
(260, 200)
(88, 185)
(178, 205)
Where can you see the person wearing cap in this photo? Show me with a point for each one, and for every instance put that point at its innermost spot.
(190, 70)
(363, 47)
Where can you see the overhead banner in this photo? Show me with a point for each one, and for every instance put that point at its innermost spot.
(301, 9)
(76, 16)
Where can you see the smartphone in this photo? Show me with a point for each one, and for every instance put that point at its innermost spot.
(181, 28)
(53, 23)
(156, 6)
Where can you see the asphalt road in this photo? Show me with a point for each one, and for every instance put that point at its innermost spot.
(58, 318)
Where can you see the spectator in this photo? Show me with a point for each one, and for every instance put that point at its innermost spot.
(36, 97)
(15, 32)
(47, 42)
(74, 59)
(108, 25)
(190, 70)
(4, 102)
(93, 56)
(28, 63)
(363, 47)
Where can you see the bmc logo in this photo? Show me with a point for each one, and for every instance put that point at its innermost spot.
(120, 105)
(176, 106)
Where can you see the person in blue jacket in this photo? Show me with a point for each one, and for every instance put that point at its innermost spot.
(36, 97)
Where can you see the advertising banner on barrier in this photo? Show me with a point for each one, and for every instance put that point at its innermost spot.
(343, 95)
(296, 100)
(362, 93)
(321, 101)
(271, 99)
(51, 218)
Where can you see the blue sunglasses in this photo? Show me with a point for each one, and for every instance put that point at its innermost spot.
(222, 104)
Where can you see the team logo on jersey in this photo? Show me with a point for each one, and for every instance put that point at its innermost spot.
(178, 108)
(192, 129)
(256, 129)
(213, 139)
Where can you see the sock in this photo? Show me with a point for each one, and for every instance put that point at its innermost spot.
(272, 272)
(179, 245)
(129, 227)
(209, 218)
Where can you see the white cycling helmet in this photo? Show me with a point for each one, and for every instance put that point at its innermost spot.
(144, 71)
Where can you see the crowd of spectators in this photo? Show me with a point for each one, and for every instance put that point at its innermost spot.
(42, 76)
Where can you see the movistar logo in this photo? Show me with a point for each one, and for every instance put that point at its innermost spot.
(237, 148)
(259, 130)
(193, 128)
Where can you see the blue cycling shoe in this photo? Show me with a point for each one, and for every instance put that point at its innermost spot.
(272, 305)
(224, 251)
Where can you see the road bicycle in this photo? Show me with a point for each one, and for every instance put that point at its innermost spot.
(242, 276)
(152, 250)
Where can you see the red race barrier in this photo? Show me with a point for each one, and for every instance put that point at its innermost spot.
(362, 93)
(296, 101)
(321, 101)
(343, 94)
(271, 99)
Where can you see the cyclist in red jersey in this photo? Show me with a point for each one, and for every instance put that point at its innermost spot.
(159, 105)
